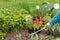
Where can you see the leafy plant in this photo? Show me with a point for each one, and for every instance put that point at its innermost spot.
(47, 18)
(50, 38)
(55, 30)
(10, 22)
(34, 37)
(42, 37)
(29, 21)
(37, 26)
(18, 37)
(2, 35)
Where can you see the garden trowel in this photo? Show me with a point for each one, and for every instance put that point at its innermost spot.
(40, 30)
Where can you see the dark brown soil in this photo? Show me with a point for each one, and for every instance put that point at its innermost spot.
(24, 34)
(12, 36)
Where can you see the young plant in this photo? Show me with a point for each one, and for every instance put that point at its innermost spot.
(18, 37)
(34, 37)
(50, 38)
(42, 37)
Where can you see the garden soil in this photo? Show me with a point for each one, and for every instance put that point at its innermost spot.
(25, 35)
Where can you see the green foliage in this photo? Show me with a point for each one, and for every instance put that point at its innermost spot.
(13, 17)
(25, 19)
(38, 26)
(34, 37)
(7, 0)
(55, 30)
(29, 21)
(50, 38)
(2, 35)
(47, 18)
(18, 37)
(23, 11)
(42, 37)
(14, 20)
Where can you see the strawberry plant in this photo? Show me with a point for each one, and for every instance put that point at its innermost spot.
(42, 19)
(47, 18)
(36, 22)
(37, 26)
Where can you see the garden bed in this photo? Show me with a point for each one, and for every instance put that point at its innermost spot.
(25, 35)
(12, 36)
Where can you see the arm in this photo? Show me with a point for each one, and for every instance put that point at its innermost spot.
(55, 19)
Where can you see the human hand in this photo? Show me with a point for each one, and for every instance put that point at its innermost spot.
(47, 25)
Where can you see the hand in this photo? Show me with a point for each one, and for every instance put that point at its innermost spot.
(45, 26)
(48, 25)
